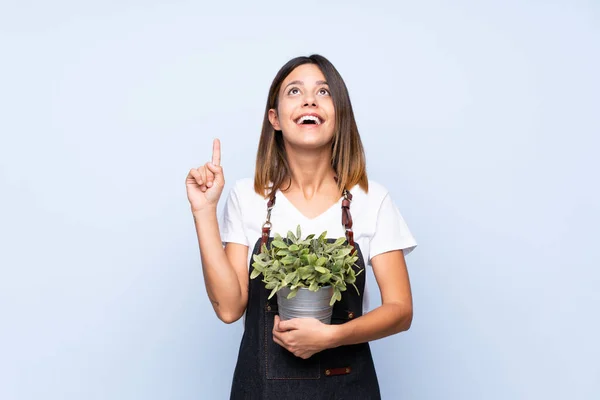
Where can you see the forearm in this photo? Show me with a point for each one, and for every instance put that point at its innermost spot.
(386, 320)
(222, 284)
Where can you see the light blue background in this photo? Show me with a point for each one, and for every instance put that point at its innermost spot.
(480, 117)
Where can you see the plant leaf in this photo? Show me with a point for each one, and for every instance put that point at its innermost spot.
(288, 260)
(337, 295)
(292, 293)
(343, 253)
(275, 289)
(304, 272)
(280, 244)
(257, 266)
(289, 278)
(254, 274)
(258, 259)
(291, 237)
(321, 261)
(271, 285)
(321, 270)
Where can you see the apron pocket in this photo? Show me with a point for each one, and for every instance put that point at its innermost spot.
(280, 363)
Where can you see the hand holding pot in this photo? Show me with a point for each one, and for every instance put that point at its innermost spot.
(302, 337)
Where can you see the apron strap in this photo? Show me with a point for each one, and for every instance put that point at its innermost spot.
(266, 229)
(346, 218)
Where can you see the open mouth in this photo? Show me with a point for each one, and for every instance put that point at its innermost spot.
(309, 120)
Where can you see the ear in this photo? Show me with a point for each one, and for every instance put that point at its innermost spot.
(274, 119)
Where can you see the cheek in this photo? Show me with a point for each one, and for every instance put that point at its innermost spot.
(330, 109)
(285, 116)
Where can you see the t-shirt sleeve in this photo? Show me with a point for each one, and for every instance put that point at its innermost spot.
(232, 224)
(391, 231)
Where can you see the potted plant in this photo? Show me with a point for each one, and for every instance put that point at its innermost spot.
(310, 274)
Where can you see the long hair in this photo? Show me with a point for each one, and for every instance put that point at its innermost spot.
(347, 156)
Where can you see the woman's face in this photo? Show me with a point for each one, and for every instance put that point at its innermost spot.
(305, 115)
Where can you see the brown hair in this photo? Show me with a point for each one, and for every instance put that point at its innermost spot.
(347, 156)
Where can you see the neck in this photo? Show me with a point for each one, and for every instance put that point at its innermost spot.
(311, 170)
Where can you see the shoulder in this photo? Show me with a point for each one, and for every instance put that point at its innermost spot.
(373, 198)
(243, 187)
(242, 192)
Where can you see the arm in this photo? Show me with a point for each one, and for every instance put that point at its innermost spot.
(225, 272)
(306, 336)
(395, 313)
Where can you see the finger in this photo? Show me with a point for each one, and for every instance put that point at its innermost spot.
(283, 337)
(217, 170)
(202, 183)
(278, 334)
(279, 342)
(195, 174)
(216, 156)
(210, 176)
(289, 325)
(276, 322)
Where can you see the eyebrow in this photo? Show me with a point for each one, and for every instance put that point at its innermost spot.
(302, 83)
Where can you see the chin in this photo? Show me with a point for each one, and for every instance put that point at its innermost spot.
(313, 140)
(310, 144)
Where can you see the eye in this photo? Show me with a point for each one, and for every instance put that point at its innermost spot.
(293, 91)
(324, 92)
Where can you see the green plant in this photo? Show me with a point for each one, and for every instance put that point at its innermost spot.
(311, 263)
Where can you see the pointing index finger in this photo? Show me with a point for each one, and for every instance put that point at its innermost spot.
(216, 155)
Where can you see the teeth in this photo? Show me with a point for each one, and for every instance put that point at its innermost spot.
(309, 118)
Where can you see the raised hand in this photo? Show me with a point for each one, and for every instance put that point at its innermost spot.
(205, 184)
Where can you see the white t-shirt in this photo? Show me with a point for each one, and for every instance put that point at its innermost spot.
(377, 224)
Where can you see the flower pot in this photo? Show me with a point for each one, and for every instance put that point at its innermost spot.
(305, 304)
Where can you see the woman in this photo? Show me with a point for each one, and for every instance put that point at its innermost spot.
(310, 171)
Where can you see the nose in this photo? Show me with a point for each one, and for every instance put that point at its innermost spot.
(310, 100)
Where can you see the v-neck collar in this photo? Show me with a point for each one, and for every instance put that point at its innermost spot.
(337, 204)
